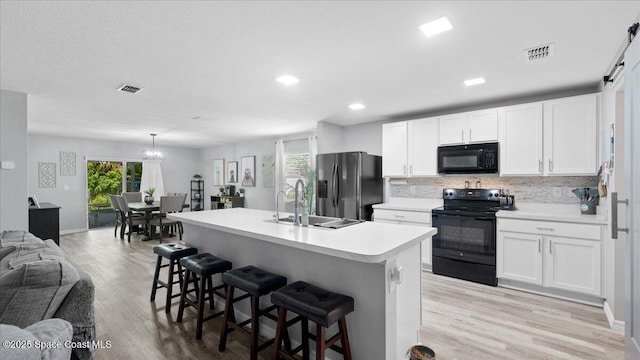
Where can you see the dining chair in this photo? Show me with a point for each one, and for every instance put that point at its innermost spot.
(116, 208)
(132, 196)
(129, 218)
(168, 204)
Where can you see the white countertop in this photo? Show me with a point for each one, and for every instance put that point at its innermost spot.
(370, 242)
(409, 204)
(551, 212)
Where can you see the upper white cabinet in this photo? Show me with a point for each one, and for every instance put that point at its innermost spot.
(394, 149)
(470, 127)
(570, 135)
(520, 136)
(555, 137)
(409, 148)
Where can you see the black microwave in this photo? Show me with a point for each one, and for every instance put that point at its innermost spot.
(468, 159)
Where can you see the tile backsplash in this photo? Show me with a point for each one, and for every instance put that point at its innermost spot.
(526, 189)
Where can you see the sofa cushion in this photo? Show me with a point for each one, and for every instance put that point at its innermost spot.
(10, 237)
(51, 331)
(34, 291)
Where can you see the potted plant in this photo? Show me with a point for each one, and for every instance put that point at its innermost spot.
(149, 195)
(241, 191)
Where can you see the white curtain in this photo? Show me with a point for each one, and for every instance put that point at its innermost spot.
(313, 151)
(279, 167)
(152, 177)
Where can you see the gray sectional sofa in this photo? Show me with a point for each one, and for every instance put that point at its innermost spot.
(38, 282)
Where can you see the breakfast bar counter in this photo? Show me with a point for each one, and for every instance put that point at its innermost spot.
(377, 264)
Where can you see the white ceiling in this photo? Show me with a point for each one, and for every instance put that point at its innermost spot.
(217, 61)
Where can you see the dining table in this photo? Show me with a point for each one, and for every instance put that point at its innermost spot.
(148, 209)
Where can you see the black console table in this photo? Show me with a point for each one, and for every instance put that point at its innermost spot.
(44, 222)
(226, 201)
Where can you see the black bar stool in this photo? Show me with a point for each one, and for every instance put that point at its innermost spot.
(173, 252)
(255, 282)
(202, 266)
(318, 305)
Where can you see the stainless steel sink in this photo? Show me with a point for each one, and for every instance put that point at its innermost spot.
(321, 221)
(340, 223)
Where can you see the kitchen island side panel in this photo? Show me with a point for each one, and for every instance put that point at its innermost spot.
(373, 326)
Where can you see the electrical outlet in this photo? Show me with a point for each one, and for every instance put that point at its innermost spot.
(557, 192)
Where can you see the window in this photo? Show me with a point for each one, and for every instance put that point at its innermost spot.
(297, 165)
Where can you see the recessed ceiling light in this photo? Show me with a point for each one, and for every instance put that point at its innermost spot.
(436, 26)
(287, 80)
(476, 81)
(356, 106)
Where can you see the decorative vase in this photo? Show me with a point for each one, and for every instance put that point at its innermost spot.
(148, 199)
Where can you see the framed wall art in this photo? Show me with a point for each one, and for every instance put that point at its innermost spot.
(232, 172)
(248, 171)
(218, 172)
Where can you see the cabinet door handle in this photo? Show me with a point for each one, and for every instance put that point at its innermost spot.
(550, 247)
(399, 216)
(410, 169)
(550, 165)
(540, 166)
(614, 215)
(469, 135)
(539, 245)
(404, 169)
(462, 133)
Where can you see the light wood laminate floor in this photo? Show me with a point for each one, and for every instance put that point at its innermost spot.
(461, 320)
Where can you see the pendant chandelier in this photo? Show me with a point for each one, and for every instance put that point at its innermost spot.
(152, 154)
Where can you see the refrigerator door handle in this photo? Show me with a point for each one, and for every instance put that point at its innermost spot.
(333, 185)
(337, 192)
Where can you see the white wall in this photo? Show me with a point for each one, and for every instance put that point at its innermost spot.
(614, 251)
(14, 213)
(70, 192)
(258, 197)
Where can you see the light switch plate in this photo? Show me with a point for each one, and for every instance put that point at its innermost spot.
(7, 165)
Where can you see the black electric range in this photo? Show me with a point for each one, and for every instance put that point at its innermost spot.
(465, 245)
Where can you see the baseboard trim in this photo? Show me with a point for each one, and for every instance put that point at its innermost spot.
(551, 292)
(614, 324)
(72, 231)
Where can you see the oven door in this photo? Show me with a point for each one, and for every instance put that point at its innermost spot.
(470, 238)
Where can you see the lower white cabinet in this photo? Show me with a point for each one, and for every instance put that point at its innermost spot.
(411, 218)
(573, 264)
(519, 257)
(558, 255)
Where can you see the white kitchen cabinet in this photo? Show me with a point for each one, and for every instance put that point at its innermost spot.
(470, 127)
(520, 137)
(573, 264)
(519, 257)
(423, 147)
(409, 148)
(409, 218)
(394, 149)
(558, 255)
(570, 135)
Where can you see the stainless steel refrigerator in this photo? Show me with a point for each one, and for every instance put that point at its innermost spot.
(348, 184)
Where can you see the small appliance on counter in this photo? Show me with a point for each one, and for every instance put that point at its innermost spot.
(465, 245)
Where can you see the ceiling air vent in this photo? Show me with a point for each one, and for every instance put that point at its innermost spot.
(538, 53)
(129, 89)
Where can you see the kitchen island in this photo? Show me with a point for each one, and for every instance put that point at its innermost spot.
(377, 264)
